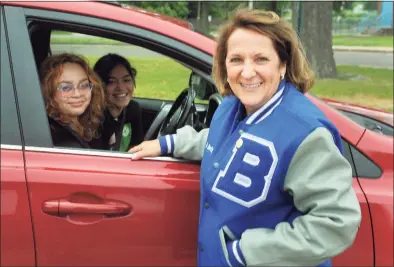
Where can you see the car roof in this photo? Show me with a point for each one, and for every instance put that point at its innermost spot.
(124, 15)
(177, 21)
(377, 114)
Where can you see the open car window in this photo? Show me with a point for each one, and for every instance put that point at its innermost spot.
(158, 76)
(163, 65)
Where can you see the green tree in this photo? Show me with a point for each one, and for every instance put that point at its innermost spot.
(340, 6)
(277, 6)
(177, 9)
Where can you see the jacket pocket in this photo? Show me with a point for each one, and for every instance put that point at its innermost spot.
(223, 251)
(225, 236)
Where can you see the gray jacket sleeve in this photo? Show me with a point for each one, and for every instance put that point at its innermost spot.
(186, 143)
(189, 143)
(320, 180)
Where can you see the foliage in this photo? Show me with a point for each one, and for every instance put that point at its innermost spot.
(223, 9)
(340, 6)
(380, 41)
(158, 78)
(371, 87)
(178, 9)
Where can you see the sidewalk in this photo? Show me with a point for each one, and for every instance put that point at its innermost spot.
(363, 48)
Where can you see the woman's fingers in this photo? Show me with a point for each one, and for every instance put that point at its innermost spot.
(135, 148)
(146, 149)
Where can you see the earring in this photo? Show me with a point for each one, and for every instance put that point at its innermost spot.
(282, 76)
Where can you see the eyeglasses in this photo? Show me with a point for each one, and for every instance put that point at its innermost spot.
(67, 89)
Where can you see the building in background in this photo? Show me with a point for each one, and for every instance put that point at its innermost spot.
(385, 10)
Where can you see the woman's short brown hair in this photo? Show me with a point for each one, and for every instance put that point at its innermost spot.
(285, 41)
(87, 124)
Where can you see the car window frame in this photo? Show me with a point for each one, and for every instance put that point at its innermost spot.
(10, 121)
(362, 166)
(201, 61)
(41, 140)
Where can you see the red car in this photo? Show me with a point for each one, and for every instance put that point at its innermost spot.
(180, 22)
(79, 207)
(376, 116)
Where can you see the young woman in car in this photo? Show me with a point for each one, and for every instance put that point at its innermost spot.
(123, 121)
(74, 101)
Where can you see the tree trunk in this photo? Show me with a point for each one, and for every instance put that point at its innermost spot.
(274, 7)
(294, 15)
(204, 24)
(316, 37)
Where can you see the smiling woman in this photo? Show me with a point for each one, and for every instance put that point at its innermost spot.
(74, 100)
(123, 120)
(275, 186)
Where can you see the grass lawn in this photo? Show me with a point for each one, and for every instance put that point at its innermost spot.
(386, 41)
(375, 91)
(61, 33)
(165, 78)
(85, 40)
(159, 78)
(383, 41)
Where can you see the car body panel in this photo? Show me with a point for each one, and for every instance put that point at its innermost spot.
(377, 114)
(159, 230)
(348, 128)
(17, 245)
(361, 252)
(380, 195)
(162, 193)
(127, 16)
(180, 22)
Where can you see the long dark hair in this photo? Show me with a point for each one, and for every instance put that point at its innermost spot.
(105, 65)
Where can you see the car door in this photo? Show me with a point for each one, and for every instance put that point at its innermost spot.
(97, 208)
(373, 159)
(17, 244)
(361, 253)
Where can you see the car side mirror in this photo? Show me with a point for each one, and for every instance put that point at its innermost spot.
(202, 88)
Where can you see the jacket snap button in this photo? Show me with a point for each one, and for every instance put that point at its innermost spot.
(206, 205)
(216, 165)
(239, 143)
(241, 132)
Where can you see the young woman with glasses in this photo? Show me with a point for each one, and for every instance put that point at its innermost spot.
(74, 101)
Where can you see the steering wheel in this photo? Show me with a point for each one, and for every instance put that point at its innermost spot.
(179, 112)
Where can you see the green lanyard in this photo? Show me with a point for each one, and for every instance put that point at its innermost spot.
(126, 138)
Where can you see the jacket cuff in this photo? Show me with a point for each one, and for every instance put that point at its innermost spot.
(235, 255)
(167, 144)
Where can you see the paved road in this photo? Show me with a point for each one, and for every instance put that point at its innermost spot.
(372, 59)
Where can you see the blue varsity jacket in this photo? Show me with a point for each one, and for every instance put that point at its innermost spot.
(243, 169)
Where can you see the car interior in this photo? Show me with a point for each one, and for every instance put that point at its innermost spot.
(196, 101)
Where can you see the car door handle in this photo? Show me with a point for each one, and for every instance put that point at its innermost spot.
(63, 207)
